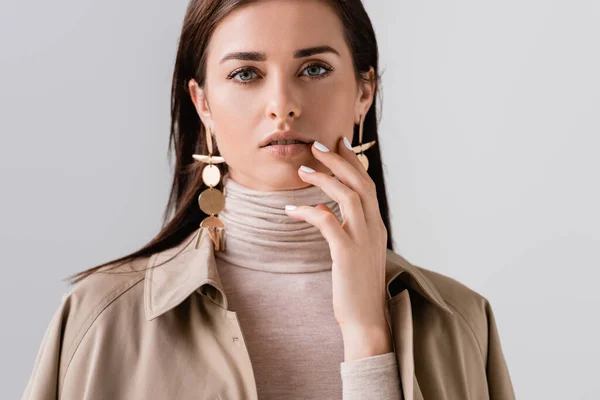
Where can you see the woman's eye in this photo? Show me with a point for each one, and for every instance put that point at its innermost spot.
(316, 67)
(245, 74)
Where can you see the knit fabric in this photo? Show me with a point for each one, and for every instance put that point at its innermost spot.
(276, 274)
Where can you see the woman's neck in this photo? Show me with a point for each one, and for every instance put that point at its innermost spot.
(261, 236)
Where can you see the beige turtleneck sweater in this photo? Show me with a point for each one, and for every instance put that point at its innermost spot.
(276, 273)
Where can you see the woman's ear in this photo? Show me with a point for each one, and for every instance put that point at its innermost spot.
(198, 96)
(365, 95)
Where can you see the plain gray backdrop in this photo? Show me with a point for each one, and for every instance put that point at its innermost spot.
(490, 142)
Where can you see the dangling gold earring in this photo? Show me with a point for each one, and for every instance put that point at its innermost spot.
(362, 147)
(211, 200)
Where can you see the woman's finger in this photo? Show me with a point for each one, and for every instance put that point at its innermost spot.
(325, 221)
(348, 199)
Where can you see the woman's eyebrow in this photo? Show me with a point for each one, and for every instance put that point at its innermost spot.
(256, 56)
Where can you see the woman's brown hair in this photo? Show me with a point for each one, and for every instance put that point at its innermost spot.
(187, 132)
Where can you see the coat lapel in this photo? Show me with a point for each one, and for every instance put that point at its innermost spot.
(174, 274)
(403, 341)
(402, 318)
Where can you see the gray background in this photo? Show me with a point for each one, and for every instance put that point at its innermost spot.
(489, 132)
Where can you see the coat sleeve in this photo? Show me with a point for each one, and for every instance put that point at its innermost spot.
(499, 382)
(43, 381)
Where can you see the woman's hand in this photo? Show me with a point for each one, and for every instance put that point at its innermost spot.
(358, 249)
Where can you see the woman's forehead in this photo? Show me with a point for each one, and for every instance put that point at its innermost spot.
(277, 28)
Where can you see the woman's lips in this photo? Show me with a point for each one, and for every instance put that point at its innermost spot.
(287, 150)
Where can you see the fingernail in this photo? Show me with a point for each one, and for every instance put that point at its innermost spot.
(290, 207)
(347, 144)
(321, 147)
(306, 169)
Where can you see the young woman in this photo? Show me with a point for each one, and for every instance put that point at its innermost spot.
(275, 277)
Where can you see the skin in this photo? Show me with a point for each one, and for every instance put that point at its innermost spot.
(283, 92)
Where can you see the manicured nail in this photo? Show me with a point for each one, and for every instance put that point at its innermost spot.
(321, 147)
(347, 144)
(306, 169)
(290, 207)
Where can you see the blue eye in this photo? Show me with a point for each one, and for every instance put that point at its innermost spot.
(242, 71)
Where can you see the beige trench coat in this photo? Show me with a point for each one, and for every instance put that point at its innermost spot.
(166, 333)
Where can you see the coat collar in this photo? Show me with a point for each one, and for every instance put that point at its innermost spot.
(174, 274)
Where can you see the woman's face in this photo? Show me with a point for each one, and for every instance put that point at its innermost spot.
(245, 100)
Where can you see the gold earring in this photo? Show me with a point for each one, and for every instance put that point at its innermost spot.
(211, 200)
(362, 147)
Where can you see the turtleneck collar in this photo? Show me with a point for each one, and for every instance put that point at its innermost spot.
(261, 236)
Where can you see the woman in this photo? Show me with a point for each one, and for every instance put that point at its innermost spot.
(309, 301)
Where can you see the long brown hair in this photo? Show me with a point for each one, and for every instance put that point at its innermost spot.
(187, 132)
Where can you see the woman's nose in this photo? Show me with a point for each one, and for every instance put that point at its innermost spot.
(282, 101)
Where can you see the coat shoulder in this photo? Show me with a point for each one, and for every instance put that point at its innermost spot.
(92, 295)
(474, 312)
(78, 312)
(110, 278)
(87, 299)
(468, 305)
(455, 292)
